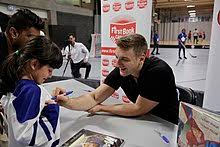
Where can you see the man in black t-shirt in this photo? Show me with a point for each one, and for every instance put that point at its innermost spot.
(148, 82)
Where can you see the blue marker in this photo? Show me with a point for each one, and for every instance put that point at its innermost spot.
(65, 94)
(165, 139)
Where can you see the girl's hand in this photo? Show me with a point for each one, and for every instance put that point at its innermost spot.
(50, 101)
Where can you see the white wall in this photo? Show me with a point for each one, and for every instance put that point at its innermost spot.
(170, 31)
(212, 90)
(4, 9)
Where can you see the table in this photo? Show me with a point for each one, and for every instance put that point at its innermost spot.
(136, 131)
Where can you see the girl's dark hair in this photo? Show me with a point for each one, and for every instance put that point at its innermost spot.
(40, 48)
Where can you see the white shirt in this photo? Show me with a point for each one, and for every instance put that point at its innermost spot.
(22, 133)
(196, 33)
(78, 52)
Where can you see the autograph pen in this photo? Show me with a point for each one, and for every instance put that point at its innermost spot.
(65, 94)
(87, 90)
(165, 139)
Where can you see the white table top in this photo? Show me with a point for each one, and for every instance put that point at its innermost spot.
(136, 131)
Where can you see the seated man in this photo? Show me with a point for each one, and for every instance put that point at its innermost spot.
(148, 82)
(78, 55)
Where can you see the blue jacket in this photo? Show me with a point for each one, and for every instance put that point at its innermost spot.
(156, 37)
(182, 37)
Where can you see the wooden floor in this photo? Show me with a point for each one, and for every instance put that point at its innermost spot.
(174, 42)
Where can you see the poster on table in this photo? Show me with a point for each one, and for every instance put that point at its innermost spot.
(120, 18)
(212, 93)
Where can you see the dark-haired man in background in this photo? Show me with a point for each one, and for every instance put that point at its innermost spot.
(23, 26)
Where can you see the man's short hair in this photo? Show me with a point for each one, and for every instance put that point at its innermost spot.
(70, 34)
(133, 41)
(24, 19)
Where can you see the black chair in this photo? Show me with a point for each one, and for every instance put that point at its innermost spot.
(191, 96)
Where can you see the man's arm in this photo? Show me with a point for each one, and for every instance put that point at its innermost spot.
(67, 51)
(179, 38)
(86, 101)
(86, 51)
(140, 107)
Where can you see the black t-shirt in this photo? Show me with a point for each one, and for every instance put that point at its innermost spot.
(3, 48)
(3, 54)
(156, 82)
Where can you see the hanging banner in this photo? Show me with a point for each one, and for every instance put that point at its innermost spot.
(212, 93)
(120, 18)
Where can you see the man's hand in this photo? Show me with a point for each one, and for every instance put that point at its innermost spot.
(63, 100)
(58, 91)
(60, 99)
(96, 108)
(69, 56)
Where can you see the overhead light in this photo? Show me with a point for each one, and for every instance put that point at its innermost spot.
(190, 6)
(192, 11)
(192, 15)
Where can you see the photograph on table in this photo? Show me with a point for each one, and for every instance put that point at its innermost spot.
(88, 138)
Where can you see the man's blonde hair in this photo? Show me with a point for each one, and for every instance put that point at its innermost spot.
(133, 41)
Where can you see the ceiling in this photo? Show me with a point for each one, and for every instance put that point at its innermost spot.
(179, 7)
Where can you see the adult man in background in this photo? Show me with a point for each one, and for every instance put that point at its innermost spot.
(181, 43)
(148, 82)
(23, 26)
(78, 55)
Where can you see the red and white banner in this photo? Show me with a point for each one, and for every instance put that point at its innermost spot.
(212, 92)
(120, 18)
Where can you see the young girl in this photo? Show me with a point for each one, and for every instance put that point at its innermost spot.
(33, 118)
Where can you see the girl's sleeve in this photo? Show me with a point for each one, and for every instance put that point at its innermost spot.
(29, 126)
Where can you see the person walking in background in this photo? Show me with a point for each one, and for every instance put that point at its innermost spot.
(203, 39)
(156, 43)
(181, 42)
(195, 36)
(32, 116)
(189, 38)
(203, 36)
(148, 82)
(78, 55)
(200, 37)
